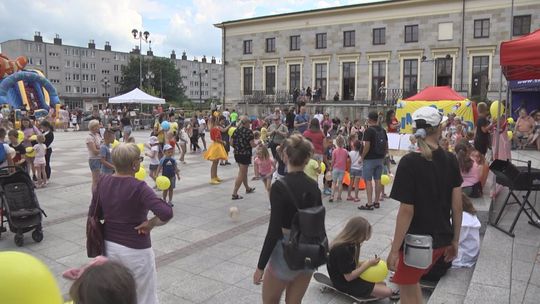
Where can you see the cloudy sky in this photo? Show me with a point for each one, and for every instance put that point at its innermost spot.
(173, 24)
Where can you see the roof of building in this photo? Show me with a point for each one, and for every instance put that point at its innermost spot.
(308, 12)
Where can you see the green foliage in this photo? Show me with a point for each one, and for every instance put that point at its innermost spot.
(158, 73)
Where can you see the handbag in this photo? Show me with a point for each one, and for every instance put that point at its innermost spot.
(418, 251)
(95, 242)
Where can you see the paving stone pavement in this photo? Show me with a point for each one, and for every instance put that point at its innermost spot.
(202, 255)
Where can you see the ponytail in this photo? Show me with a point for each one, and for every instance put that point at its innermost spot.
(421, 135)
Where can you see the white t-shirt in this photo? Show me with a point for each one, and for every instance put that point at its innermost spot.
(469, 241)
(10, 152)
(202, 125)
(155, 152)
(356, 160)
(226, 114)
(319, 117)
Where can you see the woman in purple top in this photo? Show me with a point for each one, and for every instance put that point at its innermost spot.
(124, 208)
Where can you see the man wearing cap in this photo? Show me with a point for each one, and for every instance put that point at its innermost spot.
(243, 142)
(375, 149)
(428, 186)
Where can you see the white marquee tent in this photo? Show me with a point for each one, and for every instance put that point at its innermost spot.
(138, 97)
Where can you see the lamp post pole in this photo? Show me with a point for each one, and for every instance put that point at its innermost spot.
(141, 36)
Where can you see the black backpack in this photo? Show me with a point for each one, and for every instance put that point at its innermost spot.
(381, 141)
(307, 246)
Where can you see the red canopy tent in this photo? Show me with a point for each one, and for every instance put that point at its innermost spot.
(520, 58)
(436, 94)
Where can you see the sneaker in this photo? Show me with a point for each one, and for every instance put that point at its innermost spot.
(395, 295)
(219, 179)
(214, 182)
(327, 192)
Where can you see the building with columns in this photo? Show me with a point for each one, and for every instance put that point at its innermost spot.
(373, 52)
(86, 77)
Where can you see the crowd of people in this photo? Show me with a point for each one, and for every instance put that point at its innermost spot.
(289, 149)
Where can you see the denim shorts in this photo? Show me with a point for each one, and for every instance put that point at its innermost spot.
(372, 169)
(95, 164)
(127, 129)
(337, 175)
(356, 173)
(278, 266)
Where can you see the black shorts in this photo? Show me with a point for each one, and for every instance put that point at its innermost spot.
(357, 288)
(243, 159)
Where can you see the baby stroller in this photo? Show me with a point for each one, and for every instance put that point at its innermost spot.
(19, 205)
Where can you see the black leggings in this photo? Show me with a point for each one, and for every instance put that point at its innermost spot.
(48, 162)
(195, 142)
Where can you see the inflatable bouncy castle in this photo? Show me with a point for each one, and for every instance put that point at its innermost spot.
(25, 89)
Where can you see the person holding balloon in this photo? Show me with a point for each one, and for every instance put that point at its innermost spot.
(123, 202)
(168, 168)
(357, 278)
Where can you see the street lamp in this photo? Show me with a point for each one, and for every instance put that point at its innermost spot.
(141, 36)
(150, 75)
(200, 84)
(105, 83)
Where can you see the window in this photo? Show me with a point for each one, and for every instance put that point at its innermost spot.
(270, 79)
(68, 76)
(320, 77)
(379, 36)
(93, 77)
(270, 45)
(85, 90)
(349, 38)
(247, 46)
(411, 33)
(68, 89)
(248, 80)
(116, 79)
(410, 77)
(92, 66)
(294, 77)
(481, 28)
(85, 77)
(378, 77)
(320, 41)
(480, 76)
(93, 90)
(443, 68)
(295, 43)
(77, 89)
(522, 25)
(116, 68)
(348, 87)
(92, 54)
(76, 77)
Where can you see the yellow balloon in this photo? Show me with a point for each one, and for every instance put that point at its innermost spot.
(385, 179)
(20, 136)
(163, 183)
(25, 279)
(141, 147)
(494, 108)
(231, 131)
(30, 152)
(33, 138)
(115, 143)
(323, 167)
(141, 174)
(375, 274)
(510, 135)
(510, 120)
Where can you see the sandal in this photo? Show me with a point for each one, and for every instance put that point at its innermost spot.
(356, 200)
(377, 205)
(250, 190)
(350, 198)
(366, 207)
(236, 197)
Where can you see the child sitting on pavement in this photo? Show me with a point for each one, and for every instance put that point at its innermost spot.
(345, 268)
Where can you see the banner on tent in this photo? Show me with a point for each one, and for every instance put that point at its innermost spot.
(405, 109)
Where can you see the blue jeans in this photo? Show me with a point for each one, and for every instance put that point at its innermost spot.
(372, 169)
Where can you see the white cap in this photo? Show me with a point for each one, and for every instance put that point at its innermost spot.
(153, 140)
(428, 117)
(167, 147)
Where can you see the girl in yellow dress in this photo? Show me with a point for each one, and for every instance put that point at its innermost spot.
(216, 151)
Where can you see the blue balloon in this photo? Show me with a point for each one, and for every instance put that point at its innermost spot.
(165, 125)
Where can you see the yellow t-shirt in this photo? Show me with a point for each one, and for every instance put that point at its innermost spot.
(312, 169)
(264, 134)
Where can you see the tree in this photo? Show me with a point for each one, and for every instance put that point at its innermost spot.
(160, 77)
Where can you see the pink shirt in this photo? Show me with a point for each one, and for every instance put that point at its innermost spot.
(265, 166)
(472, 177)
(339, 159)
